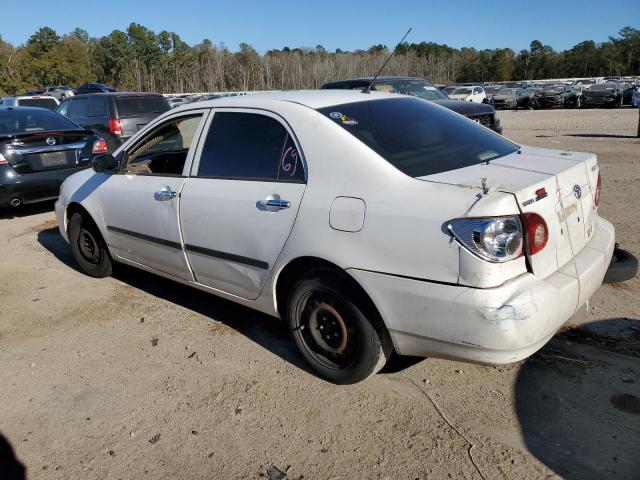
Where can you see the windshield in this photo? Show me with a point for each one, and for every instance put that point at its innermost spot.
(491, 89)
(415, 88)
(33, 120)
(141, 106)
(461, 91)
(508, 92)
(553, 89)
(417, 137)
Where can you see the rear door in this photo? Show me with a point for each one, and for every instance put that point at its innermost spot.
(140, 205)
(239, 204)
(98, 114)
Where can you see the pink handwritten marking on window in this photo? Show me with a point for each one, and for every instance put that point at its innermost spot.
(290, 161)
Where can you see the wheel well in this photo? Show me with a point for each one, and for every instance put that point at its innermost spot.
(72, 208)
(293, 271)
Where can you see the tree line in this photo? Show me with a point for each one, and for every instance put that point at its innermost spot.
(139, 59)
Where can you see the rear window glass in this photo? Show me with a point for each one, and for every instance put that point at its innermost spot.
(417, 137)
(48, 103)
(141, 106)
(25, 121)
(78, 108)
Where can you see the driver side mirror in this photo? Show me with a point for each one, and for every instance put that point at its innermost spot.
(104, 163)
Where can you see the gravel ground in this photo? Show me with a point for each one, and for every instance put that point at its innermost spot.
(138, 377)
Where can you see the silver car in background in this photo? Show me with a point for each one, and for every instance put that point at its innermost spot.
(60, 92)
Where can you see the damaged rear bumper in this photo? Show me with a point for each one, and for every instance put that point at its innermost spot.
(494, 325)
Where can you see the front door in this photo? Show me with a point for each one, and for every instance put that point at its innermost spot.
(141, 203)
(240, 203)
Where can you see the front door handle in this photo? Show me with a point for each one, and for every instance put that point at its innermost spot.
(272, 203)
(164, 194)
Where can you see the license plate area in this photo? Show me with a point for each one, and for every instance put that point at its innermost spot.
(53, 160)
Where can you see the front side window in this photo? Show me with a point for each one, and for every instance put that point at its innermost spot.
(249, 146)
(417, 137)
(164, 151)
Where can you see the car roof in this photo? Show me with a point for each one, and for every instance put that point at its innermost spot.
(309, 98)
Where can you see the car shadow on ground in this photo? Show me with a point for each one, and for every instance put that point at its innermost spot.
(578, 401)
(269, 332)
(26, 210)
(10, 467)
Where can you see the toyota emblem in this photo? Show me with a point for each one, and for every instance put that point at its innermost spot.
(577, 191)
(50, 141)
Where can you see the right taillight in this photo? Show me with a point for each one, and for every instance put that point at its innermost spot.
(115, 126)
(99, 146)
(596, 197)
(537, 232)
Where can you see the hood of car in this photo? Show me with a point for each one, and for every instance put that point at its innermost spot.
(466, 108)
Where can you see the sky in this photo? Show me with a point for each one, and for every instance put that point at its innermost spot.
(348, 25)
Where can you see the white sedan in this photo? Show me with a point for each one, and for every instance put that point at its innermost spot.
(474, 94)
(368, 222)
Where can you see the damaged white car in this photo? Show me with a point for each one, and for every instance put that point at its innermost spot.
(368, 222)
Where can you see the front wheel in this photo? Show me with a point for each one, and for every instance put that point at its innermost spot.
(337, 332)
(88, 247)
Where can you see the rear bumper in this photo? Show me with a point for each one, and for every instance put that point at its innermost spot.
(491, 326)
(32, 187)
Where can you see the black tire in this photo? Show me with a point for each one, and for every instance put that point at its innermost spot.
(353, 343)
(623, 267)
(88, 247)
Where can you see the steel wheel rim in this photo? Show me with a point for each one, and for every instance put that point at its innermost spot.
(88, 246)
(328, 330)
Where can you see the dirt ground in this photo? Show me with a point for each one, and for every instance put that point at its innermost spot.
(136, 377)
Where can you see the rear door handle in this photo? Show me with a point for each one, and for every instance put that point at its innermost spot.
(272, 203)
(164, 194)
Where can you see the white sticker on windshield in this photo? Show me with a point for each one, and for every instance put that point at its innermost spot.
(427, 87)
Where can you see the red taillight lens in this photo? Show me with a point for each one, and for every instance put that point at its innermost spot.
(115, 126)
(596, 197)
(99, 146)
(537, 232)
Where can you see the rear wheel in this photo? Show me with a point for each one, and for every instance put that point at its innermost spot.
(337, 332)
(88, 247)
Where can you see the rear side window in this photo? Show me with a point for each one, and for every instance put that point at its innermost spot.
(63, 108)
(418, 137)
(96, 107)
(248, 146)
(141, 106)
(78, 108)
(48, 103)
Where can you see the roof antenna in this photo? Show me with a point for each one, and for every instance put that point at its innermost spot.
(368, 89)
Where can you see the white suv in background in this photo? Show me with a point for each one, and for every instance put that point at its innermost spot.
(473, 93)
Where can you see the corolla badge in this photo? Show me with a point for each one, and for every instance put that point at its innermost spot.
(50, 141)
(577, 191)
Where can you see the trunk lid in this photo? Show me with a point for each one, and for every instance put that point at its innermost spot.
(559, 186)
(44, 151)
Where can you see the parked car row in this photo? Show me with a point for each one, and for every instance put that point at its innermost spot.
(530, 95)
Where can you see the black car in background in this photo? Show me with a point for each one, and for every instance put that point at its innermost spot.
(558, 96)
(94, 88)
(482, 113)
(513, 98)
(603, 95)
(38, 150)
(114, 116)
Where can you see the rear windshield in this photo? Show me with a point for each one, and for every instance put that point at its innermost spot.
(141, 106)
(33, 120)
(48, 103)
(418, 137)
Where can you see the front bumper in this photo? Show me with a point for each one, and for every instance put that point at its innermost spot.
(491, 326)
